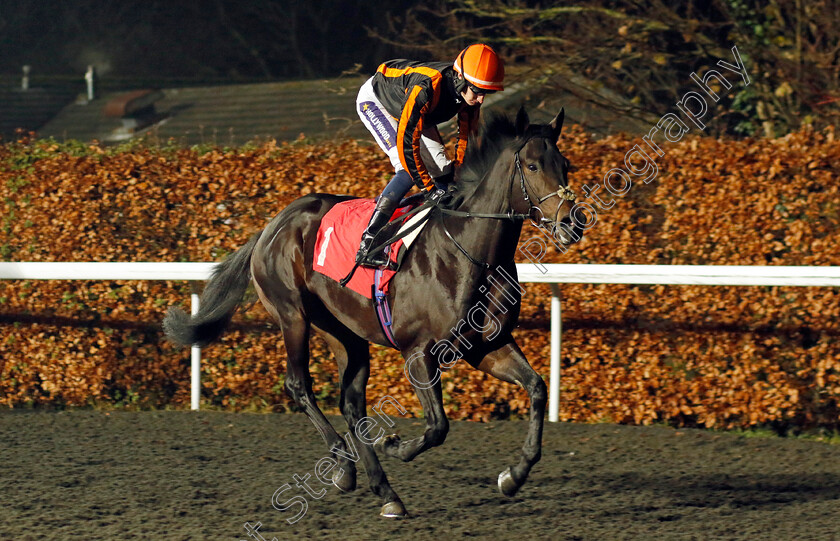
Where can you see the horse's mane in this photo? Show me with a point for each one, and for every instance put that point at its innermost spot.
(497, 132)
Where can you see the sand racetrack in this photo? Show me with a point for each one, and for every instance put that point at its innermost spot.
(182, 475)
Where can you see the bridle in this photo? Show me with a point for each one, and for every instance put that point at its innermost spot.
(563, 192)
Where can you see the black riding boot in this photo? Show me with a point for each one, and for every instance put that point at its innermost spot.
(381, 215)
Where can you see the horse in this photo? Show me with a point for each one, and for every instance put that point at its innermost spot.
(513, 172)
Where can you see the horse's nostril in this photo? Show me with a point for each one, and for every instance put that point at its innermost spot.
(565, 223)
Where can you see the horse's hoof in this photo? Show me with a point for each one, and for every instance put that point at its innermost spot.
(507, 485)
(344, 480)
(382, 443)
(393, 510)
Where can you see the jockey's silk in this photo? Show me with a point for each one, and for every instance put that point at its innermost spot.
(338, 241)
(417, 96)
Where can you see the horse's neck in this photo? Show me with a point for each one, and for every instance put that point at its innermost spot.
(492, 193)
(492, 240)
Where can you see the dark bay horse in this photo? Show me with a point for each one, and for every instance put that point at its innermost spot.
(512, 172)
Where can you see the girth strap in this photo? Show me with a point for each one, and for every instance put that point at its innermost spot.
(383, 309)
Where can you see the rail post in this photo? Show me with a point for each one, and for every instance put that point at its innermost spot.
(554, 378)
(195, 362)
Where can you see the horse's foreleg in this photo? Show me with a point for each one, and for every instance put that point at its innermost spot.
(423, 369)
(509, 364)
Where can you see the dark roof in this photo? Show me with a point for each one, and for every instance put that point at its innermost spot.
(29, 109)
(236, 114)
(225, 115)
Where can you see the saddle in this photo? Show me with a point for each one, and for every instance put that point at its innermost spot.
(338, 241)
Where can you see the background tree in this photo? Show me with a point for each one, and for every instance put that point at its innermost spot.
(217, 39)
(645, 51)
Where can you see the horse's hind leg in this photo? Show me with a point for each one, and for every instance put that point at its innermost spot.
(508, 363)
(296, 329)
(353, 357)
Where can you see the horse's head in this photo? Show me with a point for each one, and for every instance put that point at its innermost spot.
(540, 184)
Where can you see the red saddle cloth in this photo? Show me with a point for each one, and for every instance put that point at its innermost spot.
(338, 241)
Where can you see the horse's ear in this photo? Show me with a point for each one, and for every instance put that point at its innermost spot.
(557, 123)
(522, 121)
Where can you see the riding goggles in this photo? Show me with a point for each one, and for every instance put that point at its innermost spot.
(480, 91)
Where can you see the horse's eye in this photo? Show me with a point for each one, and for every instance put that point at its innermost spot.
(532, 167)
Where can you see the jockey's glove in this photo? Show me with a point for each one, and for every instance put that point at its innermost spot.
(445, 181)
(439, 196)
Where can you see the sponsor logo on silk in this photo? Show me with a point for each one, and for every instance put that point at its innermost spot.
(383, 128)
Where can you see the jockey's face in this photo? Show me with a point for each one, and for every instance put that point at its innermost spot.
(470, 97)
(473, 95)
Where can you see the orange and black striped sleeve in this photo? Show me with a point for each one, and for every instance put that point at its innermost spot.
(421, 98)
(409, 130)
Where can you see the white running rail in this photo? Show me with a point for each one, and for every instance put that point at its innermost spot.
(553, 274)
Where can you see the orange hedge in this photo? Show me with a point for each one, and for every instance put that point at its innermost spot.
(686, 355)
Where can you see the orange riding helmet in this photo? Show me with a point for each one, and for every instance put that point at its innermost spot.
(481, 67)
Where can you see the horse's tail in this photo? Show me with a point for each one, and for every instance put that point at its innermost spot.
(218, 301)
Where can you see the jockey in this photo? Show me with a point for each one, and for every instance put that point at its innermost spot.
(402, 104)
